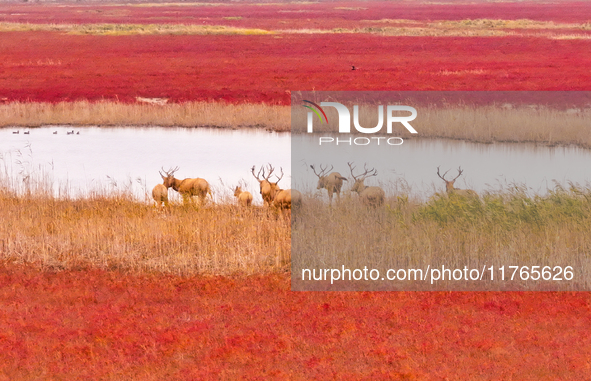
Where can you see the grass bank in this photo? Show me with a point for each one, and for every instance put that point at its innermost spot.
(485, 124)
(109, 113)
(506, 228)
(112, 232)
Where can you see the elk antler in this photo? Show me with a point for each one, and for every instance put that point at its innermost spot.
(369, 172)
(364, 175)
(442, 177)
(271, 169)
(460, 171)
(279, 178)
(323, 171)
(351, 168)
(170, 172)
(257, 176)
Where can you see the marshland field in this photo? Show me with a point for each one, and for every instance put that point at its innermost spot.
(105, 285)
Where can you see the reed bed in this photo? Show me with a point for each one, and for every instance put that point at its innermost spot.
(484, 124)
(502, 228)
(110, 230)
(109, 113)
(130, 29)
(404, 28)
(117, 232)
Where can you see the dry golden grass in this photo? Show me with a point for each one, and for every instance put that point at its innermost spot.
(486, 124)
(187, 114)
(494, 124)
(461, 28)
(507, 228)
(478, 124)
(119, 233)
(130, 29)
(198, 4)
(407, 32)
(112, 231)
(508, 24)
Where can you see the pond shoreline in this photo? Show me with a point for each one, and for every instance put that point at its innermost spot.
(481, 124)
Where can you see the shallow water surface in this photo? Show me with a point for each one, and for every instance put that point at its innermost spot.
(413, 165)
(107, 158)
(129, 158)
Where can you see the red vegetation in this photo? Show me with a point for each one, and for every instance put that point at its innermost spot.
(295, 15)
(103, 325)
(44, 66)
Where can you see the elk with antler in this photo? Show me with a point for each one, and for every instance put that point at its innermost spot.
(267, 188)
(449, 185)
(372, 196)
(331, 182)
(187, 187)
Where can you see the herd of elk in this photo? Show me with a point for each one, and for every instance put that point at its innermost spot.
(331, 182)
(272, 195)
(270, 191)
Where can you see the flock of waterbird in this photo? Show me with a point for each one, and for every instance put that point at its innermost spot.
(54, 132)
(274, 196)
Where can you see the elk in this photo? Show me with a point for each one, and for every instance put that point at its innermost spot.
(160, 195)
(284, 199)
(449, 185)
(244, 198)
(331, 182)
(187, 187)
(371, 196)
(267, 188)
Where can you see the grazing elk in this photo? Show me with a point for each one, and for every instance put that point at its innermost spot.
(449, 185)
(286, 198)
(371, 196)
(244, 198)
(187, 187)
(160, 195)
(331, 182)
(267, 188)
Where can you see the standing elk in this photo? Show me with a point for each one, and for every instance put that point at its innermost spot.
(244, 198)
(449, 185)
(371, 196)
(267, 188)
(286, 198)
(187, 187)
(331, 182)
(160, 195)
